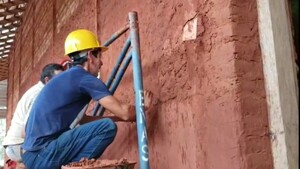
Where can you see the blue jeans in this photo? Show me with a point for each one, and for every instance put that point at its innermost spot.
(88, 140)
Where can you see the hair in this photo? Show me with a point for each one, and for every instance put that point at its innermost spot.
(78, 58)
(49, 71)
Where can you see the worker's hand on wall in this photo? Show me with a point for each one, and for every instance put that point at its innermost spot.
(148, 99)
(149, 102)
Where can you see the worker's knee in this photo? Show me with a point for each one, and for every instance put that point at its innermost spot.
(110, 125)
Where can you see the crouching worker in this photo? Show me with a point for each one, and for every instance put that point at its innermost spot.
(15, 135)
(49, 141)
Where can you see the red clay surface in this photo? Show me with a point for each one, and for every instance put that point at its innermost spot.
(212, 111)
(99, 164)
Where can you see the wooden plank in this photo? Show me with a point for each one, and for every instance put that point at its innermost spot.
(10, 20)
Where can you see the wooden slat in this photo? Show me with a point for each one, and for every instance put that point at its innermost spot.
(10, 19)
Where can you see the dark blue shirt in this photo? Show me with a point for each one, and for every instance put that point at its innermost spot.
(58, 104)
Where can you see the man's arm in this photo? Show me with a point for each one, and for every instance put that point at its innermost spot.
(121, 112)
(87, 119)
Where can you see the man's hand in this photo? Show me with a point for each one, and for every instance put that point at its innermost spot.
(148, 99)
(148, 104)
(130, 109)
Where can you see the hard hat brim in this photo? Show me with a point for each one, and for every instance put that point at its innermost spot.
(102, 49)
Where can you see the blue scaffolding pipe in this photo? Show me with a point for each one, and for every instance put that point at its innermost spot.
(138, 83)
(121, 73)
(139, 91)
(116, 35)
(115, 70)
(119, 62)
(118, 79)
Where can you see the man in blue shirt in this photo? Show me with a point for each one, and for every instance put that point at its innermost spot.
(49, 142)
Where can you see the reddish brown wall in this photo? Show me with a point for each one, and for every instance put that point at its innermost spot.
(212, 110)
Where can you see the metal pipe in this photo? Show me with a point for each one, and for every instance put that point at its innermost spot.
(79, 117)
(114, 72)
(116, 35)
(118, 79)
(121, 73)
(139, 91)
(119, 62)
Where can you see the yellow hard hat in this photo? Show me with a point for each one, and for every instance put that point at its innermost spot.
(80, 40)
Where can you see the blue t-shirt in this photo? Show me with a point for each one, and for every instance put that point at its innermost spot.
(58, 104)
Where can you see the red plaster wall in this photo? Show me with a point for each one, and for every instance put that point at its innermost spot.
(10, 86)
(252, 97)
(212, 110)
